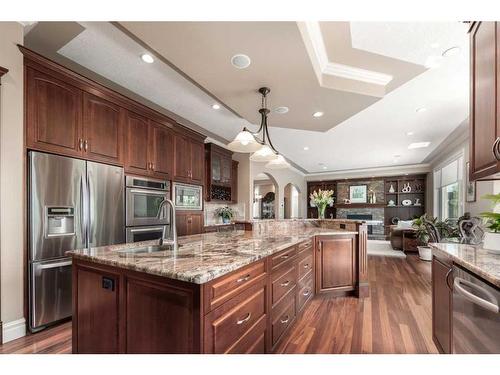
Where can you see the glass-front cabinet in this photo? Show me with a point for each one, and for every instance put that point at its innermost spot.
(219, 173)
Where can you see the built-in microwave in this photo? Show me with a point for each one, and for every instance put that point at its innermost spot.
(143, 198)
(188, 197)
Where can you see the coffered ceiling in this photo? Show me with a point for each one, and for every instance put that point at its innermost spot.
(367, 78)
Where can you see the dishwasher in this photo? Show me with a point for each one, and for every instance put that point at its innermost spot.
(476, 316)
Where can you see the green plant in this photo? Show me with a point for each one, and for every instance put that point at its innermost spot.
(446, 228)
(492, 219)
(224, 212)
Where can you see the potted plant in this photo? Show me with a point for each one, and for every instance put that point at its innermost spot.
(226, 213)
(424, 251)
(492, 221)
(321, 199)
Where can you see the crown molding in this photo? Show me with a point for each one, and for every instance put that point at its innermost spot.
(312, 31)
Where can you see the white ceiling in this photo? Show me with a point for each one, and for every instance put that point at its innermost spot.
(369, 138)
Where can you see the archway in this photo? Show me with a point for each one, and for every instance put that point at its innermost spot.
(291, 201)
(265, 191)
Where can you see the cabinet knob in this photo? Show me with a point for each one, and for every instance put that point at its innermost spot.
(80, 144)
(85, 145)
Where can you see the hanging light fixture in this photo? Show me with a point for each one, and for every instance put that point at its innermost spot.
(259, 142)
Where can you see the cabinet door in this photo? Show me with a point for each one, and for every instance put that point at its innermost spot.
(226, 169)
(216, 168)
(335, 263)
(182, 158)
(137, 141)
(483, 110)
(181, 223)
(195, 223)
(53, 114)
(102, 130)
(441, 306)
(197, 162)
(163, 152)
(234, 182)
(96, 326)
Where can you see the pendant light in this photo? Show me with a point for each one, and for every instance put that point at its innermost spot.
(259, 142)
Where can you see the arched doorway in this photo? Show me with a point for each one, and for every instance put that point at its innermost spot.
(265, 191)
(291, 201)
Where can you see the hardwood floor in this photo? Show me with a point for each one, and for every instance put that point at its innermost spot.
(396, 318)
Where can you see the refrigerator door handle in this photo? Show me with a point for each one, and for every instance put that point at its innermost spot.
(55, 265)
(91, 221)
(83, 209)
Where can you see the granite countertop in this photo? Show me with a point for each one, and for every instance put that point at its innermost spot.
(482, 262)
(202, 257)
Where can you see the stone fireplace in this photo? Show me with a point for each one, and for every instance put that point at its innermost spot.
(366, 213)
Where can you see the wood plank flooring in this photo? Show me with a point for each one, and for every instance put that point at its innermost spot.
(396, 318)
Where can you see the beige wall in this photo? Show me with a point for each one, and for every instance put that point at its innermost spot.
(11, 173)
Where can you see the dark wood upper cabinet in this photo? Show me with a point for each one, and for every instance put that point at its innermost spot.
(137, 135)
(197, 162)
(189, 155)
(336, 263)
(163, 151)
(484, 93)
(219, 173)
(234, 181)
(441, 305)
(53, 114)
(102, 130)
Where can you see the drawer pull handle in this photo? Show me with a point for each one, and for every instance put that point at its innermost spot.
(306, 293)
(241, 279)
(245, 319)
(286, 283)
(285, 321)
(285, 256)
(306, 266)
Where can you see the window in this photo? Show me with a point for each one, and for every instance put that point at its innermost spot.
(448, 200)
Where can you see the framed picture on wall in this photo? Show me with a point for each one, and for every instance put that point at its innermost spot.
(470, 186)
(357, 193)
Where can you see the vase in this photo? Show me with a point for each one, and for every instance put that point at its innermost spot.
(226, 220)
(321, 211)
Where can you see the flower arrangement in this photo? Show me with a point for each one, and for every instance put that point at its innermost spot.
(226, 213)
(321, 199)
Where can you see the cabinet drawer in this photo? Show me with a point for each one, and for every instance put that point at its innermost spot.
(226, 326)
(282, 317)
(305, 265)
(305, 291)
(304, 246)
(252, 342)
(283, 282)
(283, 256)
(224, 288)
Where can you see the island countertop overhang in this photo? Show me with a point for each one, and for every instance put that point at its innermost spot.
(204, 257)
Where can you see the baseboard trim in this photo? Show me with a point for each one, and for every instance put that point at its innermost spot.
(14, 330)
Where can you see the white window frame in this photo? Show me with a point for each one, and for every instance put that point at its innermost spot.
(437, 188)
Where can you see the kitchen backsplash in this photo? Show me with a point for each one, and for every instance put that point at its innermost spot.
(210, 207)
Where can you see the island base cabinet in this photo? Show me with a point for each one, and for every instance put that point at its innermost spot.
(441, 305)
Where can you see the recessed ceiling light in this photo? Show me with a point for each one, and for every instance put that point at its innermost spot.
(324, 167)
(418, 145)
(281, 110)
(306, 148)
(241, 61)
(409, 134)
(420, 110)
(452, 51)
(318, 114)
(215, 106)
(147, 58)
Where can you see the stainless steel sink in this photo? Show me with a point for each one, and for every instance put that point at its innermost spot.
(145, 249)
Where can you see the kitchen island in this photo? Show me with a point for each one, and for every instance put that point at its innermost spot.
(231, 292)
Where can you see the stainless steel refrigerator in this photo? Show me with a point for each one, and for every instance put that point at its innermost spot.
(73, 204)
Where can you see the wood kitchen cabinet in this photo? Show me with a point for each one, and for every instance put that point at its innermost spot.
(220, 174)
(441, 305)
(336, 266)
(149, 147)
(189, 158)
(53, 110)
(484, 119)
(234, 182)
(189, 223)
